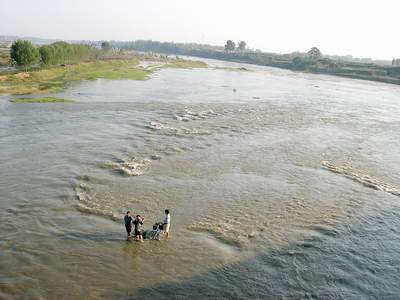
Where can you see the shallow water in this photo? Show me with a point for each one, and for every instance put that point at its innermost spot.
(280, 184)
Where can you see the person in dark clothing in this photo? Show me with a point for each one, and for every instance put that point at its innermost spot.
(128, 223)
(138, 222)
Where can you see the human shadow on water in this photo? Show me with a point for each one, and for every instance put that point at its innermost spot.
(357, 260)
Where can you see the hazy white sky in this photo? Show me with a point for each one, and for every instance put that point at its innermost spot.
(366, 28)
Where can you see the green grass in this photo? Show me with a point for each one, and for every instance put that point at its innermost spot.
(184, 64)
(55, 79)
(4, 57)
(50, 80)
(41, 100)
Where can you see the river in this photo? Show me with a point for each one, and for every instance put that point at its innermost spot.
(280, 184)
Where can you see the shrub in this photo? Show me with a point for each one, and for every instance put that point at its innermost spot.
(24, 53)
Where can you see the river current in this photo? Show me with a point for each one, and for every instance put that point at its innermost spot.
(280, 185)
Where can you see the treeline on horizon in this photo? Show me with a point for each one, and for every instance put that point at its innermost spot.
(240, 47)
(312, 61)
(229, 52)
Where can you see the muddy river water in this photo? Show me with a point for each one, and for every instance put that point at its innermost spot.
(280, 184)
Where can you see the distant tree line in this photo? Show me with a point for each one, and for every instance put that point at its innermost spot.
(396, 62)
(231, 46)
(24, 53)
(231, 52)
(166, 47)
(312, 61)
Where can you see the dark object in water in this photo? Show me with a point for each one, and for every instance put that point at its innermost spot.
(155, 233)
(158, 225)
(152, 234)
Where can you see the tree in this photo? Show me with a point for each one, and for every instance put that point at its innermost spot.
(230, 45)
(64, 53)
(24, 53)
(297, 61)
(106, 46)
(242, 45)
(314, 53)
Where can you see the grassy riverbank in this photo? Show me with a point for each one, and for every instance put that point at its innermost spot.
(55, 79)
(4, 57)
(41, 100)
(184, 64)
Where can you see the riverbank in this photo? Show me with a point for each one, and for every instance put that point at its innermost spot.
(364, 71)
(292, 61)
(41, 100)
(55, 79)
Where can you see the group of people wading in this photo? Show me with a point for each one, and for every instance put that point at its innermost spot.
(138, 221)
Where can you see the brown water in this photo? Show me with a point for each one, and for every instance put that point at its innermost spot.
(280, 184)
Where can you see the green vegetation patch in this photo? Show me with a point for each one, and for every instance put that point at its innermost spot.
(41, 100)
(4, 57)
(185, 64)
(54, 79)
(50, 80)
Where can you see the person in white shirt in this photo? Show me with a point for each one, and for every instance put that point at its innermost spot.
(167, 222)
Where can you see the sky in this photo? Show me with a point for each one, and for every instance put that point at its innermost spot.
(352, 27)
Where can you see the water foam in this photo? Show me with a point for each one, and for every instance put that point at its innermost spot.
(188, 115)
(170, 130)
(364, 179)
(130, 167)
(87, 203)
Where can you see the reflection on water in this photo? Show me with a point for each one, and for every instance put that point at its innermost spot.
(240, 158)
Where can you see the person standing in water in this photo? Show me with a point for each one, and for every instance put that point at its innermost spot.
(138, 222)
(167, 222)
(128, 223)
